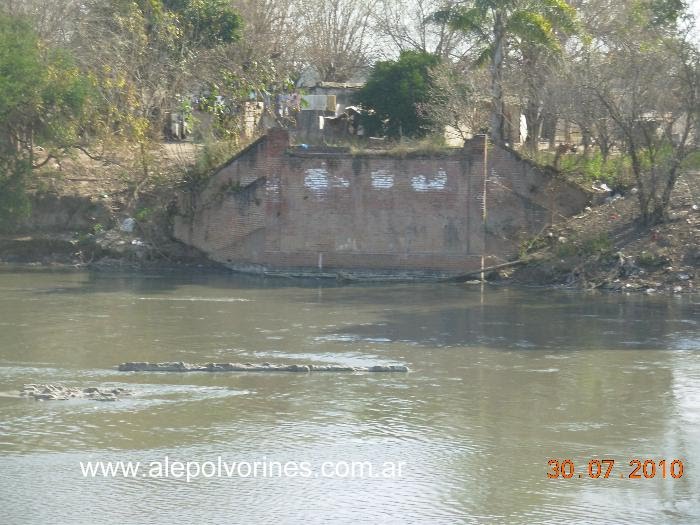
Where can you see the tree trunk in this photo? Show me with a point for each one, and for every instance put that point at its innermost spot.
(643, 193)
(586, 140)
(602, 136)
(604, 146)
(549, 127)
(661, 210)
(533, 120)
(497, 119)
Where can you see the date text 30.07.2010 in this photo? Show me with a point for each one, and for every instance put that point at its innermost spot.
(605, 468)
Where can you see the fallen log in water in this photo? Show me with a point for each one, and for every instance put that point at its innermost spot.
(466, 276)
(248, 367)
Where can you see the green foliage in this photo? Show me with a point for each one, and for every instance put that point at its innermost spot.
(149, 59)
(19, 67)
(193, 23)
(652, 261)
(210, 156)
(593, 245)
(596, 245)
(567, 249)
(528, 21)
(42, 98)
(430, 145)
(205, 23)
(14, 203)
(392, 93)
(64, 98)
(660, 13)
(42, 93)
(692, 162)
(530, 245)
(143, 214)
(616, 171)
(503, 29)
(211, 22)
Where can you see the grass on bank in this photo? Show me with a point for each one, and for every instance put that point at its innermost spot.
(615, 171)
(430, 145)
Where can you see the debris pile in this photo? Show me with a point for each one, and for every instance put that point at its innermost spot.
(607, 247)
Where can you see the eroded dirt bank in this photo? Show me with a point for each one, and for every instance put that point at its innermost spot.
(607, 248)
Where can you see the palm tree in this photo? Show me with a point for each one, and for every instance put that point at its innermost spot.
(498, 26)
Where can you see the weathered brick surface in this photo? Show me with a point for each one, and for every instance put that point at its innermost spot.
(272, 208)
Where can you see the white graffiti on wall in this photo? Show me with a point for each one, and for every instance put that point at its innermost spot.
(435, 183)
(319, 181)
(382, 179)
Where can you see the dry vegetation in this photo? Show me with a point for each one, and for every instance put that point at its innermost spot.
(606, 247)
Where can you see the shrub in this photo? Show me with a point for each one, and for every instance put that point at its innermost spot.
(393, 92)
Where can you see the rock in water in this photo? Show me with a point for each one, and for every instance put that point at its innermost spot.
(249, 367)
(49, 392)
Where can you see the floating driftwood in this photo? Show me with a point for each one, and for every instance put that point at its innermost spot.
(248, 367)
(466, 276)
(49, 392)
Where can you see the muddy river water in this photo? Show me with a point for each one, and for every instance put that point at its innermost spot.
(501, 382)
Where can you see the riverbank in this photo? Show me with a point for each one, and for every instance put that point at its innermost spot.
(86, 214)
(90, 213)
(607, 248)
(111, 250)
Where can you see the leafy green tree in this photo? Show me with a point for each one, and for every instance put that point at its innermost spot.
(145, 58)
(144, 54)
(500, 26)
(205, 23)
(42, 101)
(393, 93)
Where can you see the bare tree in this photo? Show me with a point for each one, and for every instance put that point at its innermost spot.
(54, 20)
(458, 99)
(271, 31)
(572, 102)
(409, 25)
(337, 36)
(655, 111)
(635, 81)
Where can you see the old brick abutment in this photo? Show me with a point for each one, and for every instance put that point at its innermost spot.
(278, 209)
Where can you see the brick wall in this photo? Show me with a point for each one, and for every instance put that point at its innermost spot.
(278, 208)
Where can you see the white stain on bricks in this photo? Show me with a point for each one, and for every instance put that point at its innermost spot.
(435, 183)
(319, 181)
(350, 244)
(382, 179)
(272, 187)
